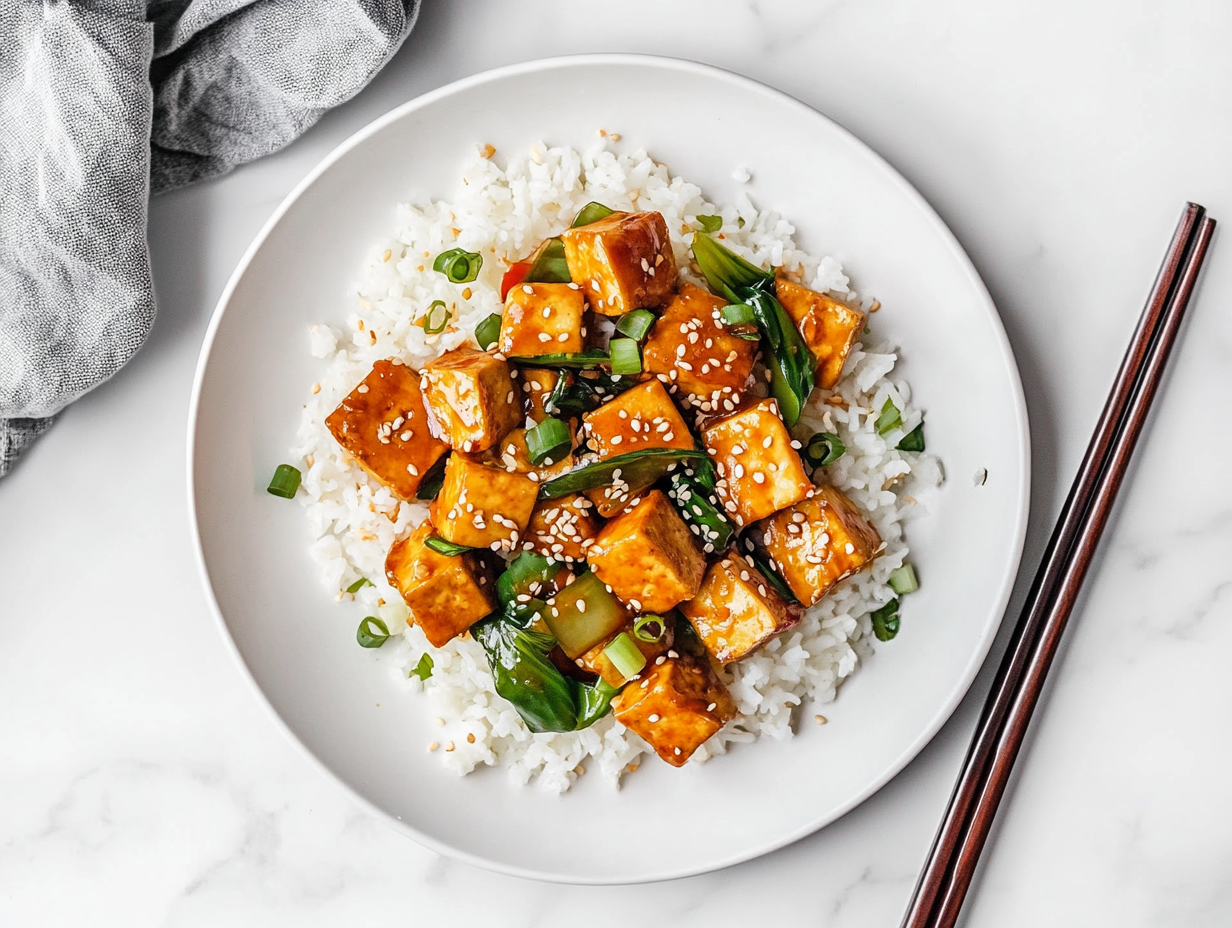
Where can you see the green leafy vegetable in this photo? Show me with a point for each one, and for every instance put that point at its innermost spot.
(358, 585)
(549, 265)
(636, 325)
(885, 621)
(738, 314)
(903, 580)
(436, 318)
(591, 212)
(710, 223)
(432, 480)
(423, 669)
(626, 358)
(594, 702)
(583, 614)
(625, 656)
(575, 394)
(524, 573)
(890, 418)
(824, 449)
(913, 440)
(762, 563)
(461, 267)
(726, 271)
(448, 548)
(637, 468)
(372, 632)
(488, 331)
(590, 358)
(649, 628)
(285, 481)
(548, 441)
(703, 516)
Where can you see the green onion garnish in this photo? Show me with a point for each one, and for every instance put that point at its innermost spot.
(738, 314)
(913, 440)
(488, 331)
(710, 223)
(447, 548)
(625, 656)
(890, 418)
(626, 358)
(525, 575)
(431, 483)
(423, 669)
(904, 581)
(637, 469)
(885, 621)
(591, 212)
(592, 357)
(550, 265)
(779, 585)
(358, 585)
(372, 632)
(286, 481)
(461, 267)
(436, 318)
(636, 324)
(550, 439)
(649, 628)
(823, 449)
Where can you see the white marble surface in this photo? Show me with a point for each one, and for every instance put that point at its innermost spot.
(141, 784)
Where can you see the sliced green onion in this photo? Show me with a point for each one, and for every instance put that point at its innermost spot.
(436, 318)
(710, 223)
(890, 418)
(637, 468)
(524, 571)
(447, 548)
(738, 314)
(625, 656)
(423, 669)
(358, 585)
(913, 440)
(488, 331)
(693, 502)
(550, 266)
(591, 212)
(649, 628)
(461, 267)
(433, 480)
(824, 449)
(372, 632)
(583, 614)
(626, 357)
(904, 581)
(636, 324)
(885, 621)
(762, 563)
(286, 481)
(550, 439)
(590, 358)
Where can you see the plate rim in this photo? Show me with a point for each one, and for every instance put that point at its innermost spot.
(1022, 511)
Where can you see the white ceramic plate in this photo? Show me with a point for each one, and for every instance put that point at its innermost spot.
(336, 699)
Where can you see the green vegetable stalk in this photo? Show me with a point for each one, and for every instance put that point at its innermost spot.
(637, 468)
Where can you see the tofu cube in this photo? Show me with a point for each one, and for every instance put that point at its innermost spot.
(482, 506)
(595, 661)
(640, 418)
(690, 346)
(676, 706)
(647, 556)
(537, 385)
(623, 262)
(470, 399)
(736, 611)
(759, 472)
(445, 595)
(384, 425)
(828, 327)
(818, 542)
(541, 319)
(562, 528)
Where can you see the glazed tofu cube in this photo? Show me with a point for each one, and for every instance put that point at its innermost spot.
(445, 595)
(482, 506)
(537, 386)
(640, 418)
(736, 611)
(690, 346)
(623, 262)
(647, 556)
(562, 528)
(818, 542)
(383, 424)
(676, 706)
(470, 399)
(541, 319)
(828, 327)
(759, 472)
(595, 661)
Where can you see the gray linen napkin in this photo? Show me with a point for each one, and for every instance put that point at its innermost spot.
(103, 102)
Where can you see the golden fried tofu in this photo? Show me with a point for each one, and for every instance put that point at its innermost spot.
(828, 327)
(537, 385)
(676, 706)
(818, 542)
(623, 262)
(690, 346)
(640, 418)
(595, 661)
(470, 399)
(647, 556)
(736, 611)
(759, 471)
(562, 528)
(445, 595)
(383, 424)
(541, 319)
(482, 506)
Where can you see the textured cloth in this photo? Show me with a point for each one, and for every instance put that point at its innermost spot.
(103, 102)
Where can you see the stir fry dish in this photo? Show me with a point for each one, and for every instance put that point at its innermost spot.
(618, 507)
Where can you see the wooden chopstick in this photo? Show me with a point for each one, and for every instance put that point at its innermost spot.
(1003, 723)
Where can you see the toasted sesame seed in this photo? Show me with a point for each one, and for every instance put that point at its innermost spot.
(362, 388)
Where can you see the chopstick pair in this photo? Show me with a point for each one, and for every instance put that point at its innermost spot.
(952, 861)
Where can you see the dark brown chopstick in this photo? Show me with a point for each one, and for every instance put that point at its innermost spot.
(952, 860)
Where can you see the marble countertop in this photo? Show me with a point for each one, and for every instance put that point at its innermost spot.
(141, 783)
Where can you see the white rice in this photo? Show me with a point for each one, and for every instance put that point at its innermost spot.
(504, 214)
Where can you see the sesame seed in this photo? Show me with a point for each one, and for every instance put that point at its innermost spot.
(581, 605)
(562, 337)
(411, 468)
(434, 745)
(615, 440)
(544, 337)
(362, 388)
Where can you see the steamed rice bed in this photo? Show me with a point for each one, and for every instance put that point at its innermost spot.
(503, 214)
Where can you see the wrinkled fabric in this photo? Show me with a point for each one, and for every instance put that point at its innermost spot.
(103, 102)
